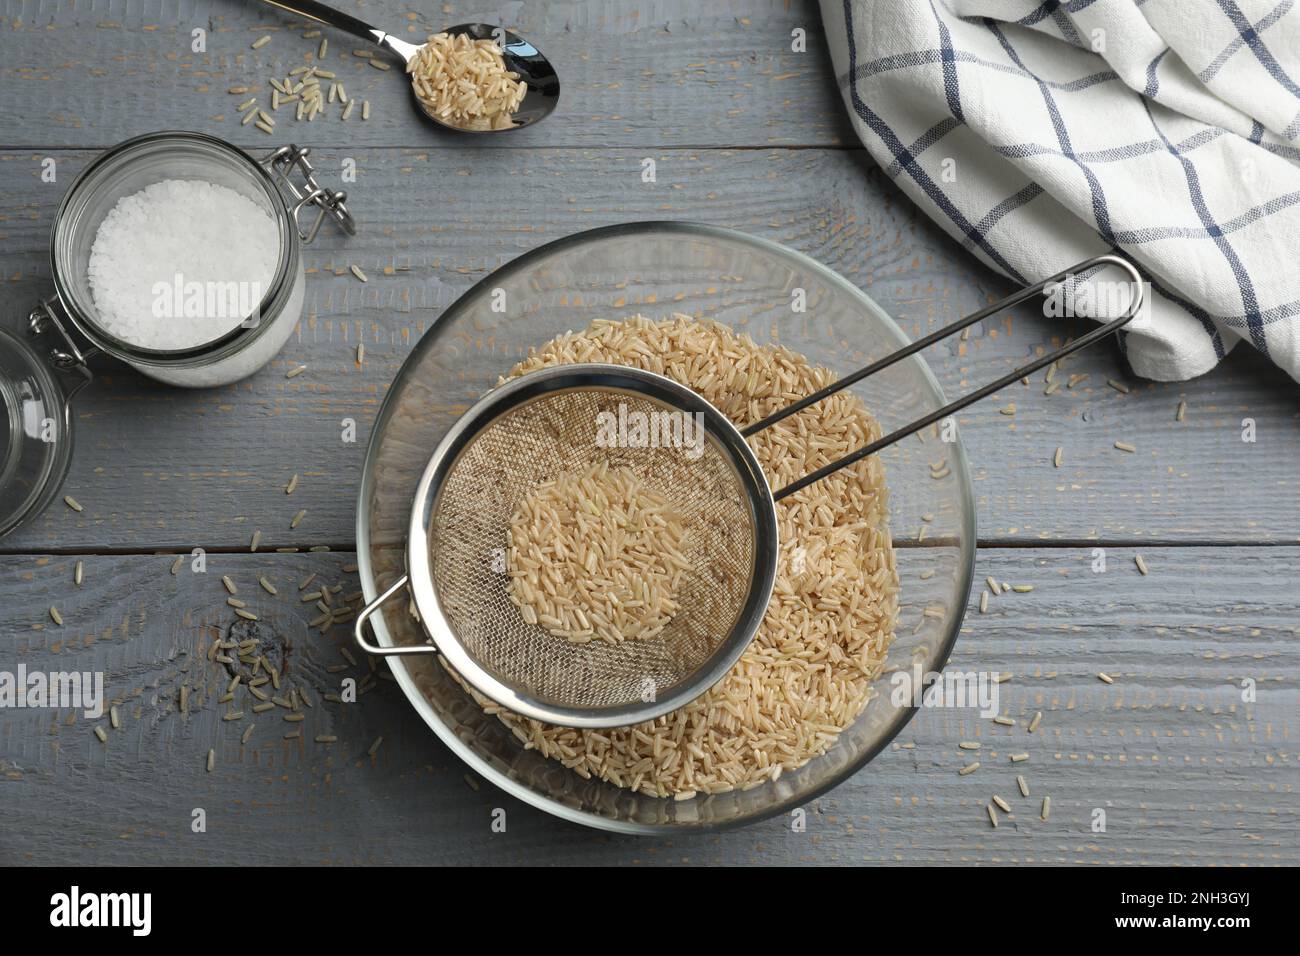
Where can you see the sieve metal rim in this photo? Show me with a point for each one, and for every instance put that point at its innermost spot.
(514, 394)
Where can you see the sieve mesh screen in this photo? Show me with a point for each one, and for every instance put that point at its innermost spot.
(531, 444)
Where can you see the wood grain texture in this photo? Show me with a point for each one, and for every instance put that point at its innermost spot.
(670, 73)
(159, 467)
(1185, 771)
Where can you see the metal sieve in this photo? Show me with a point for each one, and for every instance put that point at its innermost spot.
(518, 436)
(527, 430)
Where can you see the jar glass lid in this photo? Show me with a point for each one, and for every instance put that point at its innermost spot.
(35, 433)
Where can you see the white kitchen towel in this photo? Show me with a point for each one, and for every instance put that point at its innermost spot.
(1041, 133)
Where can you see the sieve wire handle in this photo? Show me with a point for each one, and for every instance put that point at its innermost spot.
(359, 631)
(1100, 332)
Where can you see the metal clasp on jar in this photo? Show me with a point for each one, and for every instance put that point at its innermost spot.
(281, 163)
(68, 356)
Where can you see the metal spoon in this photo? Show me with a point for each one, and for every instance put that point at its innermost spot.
(520, 56)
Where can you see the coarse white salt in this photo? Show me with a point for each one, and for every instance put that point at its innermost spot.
(181, 263)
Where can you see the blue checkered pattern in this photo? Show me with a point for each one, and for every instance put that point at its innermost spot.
(1042, 133)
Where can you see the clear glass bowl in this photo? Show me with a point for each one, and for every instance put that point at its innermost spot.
(657, 268)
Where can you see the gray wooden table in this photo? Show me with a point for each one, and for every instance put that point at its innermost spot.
(745, 133)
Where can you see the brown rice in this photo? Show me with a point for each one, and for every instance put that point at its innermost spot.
(596, 555)
(464, 82)
(809, 672)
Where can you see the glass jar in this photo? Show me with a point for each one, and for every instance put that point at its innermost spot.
(138, 163)
(36, 389)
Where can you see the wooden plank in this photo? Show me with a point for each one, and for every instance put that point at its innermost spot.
(1185, 770)
(166, 468)
(643, 74)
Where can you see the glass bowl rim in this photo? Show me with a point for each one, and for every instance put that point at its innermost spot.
(363, 543)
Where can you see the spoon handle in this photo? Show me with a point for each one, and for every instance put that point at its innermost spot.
(330, 17)
(349, 24)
